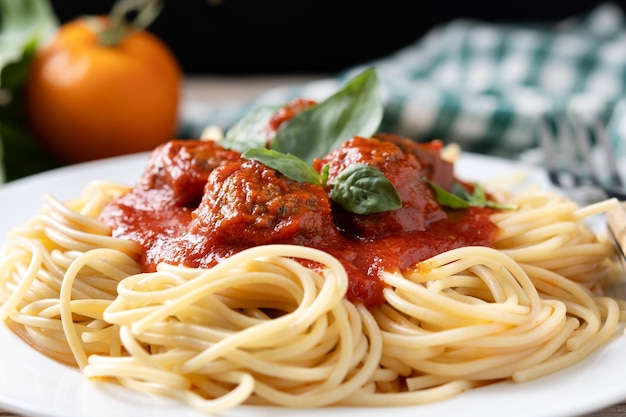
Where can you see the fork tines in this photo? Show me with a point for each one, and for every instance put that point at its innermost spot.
(579, 158)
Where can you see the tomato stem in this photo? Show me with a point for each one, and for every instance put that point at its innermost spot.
(129, 15)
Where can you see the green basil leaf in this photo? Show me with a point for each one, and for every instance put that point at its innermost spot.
(289, 165)
(325, 173)
(460, 198)
(479, 198)
(355, 110)
(250, 131)
(448, 199)
(363, 189)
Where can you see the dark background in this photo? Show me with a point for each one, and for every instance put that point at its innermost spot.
(246, 37)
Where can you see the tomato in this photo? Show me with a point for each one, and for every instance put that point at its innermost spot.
(85, 100)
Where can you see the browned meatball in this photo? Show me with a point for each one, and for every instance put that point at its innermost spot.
(419, 207)
(251, 204)
(433, 167)
(184, 166)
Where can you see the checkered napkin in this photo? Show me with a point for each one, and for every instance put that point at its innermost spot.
(484, 85)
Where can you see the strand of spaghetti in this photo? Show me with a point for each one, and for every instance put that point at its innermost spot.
(169, 283)
(244, 385)
(149, 317)
(95, 196)
(508, 239)
(593, 209)
(305, 372)
(345, 356)
(335, 365)
(155, 292)
(533, 335)
(28, 277)
(578, 296)
(65, 296)
(423, 396)
(127, 367)
(424, 382)
(347, 352)
(468, 368)
(236, 395)
(504, 290)
(591, 319)
(257, 362)
(535, 330)
(216, 278)
(467, 281)
(71, 230)
(68, 219)
(538, 215)
(333, 288)
(343, 392)
(570, 358)
(88, 307)
(558, 250)
(490, 335)
(540, 356)
(444, 309)
(457, 260)
(538, 251)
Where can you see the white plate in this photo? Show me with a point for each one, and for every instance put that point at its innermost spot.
(34, 385)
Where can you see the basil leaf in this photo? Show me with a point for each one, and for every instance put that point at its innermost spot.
(479, 199)
(460, 198)
(289, 165)
(363, 189)
(355, 110)
(250, 131)
(448, 199)
(325, 173)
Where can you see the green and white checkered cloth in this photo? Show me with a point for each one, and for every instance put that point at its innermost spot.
(484, 85)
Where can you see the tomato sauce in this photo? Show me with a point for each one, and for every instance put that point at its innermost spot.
(196, 204)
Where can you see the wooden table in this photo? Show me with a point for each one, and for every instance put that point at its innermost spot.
(217, 90)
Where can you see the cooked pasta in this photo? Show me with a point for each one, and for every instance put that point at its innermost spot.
(261, 328)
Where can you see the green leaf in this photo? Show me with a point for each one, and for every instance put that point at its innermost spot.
(448, 199)
(24, 20)
(289, 165)
(250, 131)
(460, 198)
(24, 25)
(355, 110)
(363, 189)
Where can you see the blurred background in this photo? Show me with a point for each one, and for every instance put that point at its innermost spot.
(244, 37)
(477, 73)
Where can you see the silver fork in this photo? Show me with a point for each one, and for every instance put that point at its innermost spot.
(575, 164)
(580, 159)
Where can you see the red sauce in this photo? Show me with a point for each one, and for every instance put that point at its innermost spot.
(287, 112)
(197, 203)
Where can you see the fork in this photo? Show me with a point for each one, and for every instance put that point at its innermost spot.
(568, 148)
(579, 159)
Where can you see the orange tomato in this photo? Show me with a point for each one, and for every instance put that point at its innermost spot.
(87, 101)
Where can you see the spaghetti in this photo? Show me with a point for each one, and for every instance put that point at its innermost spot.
(262, 328)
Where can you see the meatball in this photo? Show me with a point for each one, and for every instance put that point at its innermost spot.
(249, 203)
(404, 171)
(436, 169)
(184, 166)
